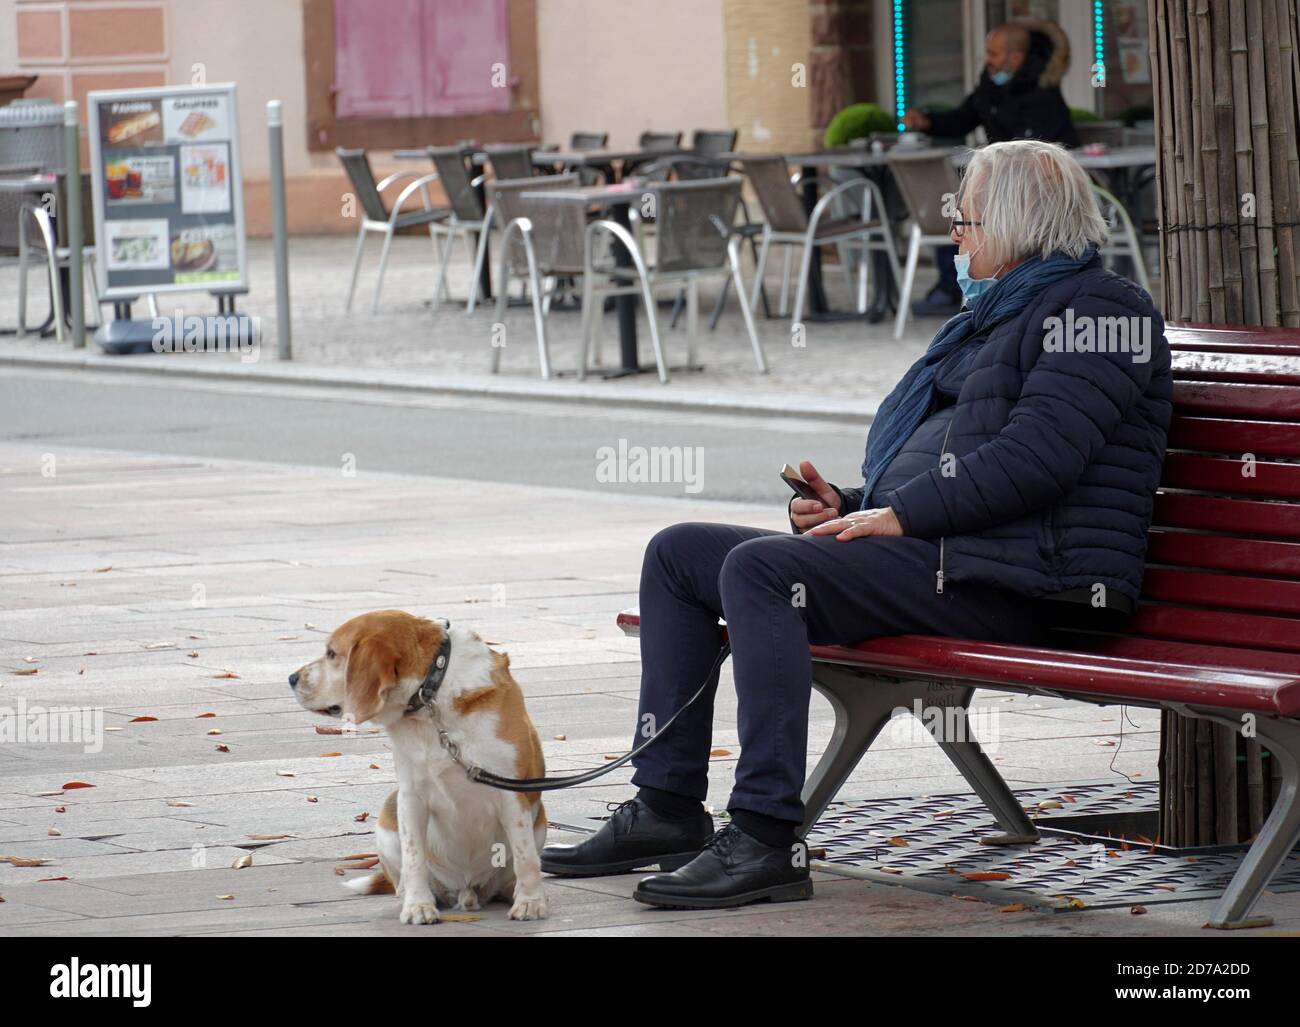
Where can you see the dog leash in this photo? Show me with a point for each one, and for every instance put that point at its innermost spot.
(425, 698)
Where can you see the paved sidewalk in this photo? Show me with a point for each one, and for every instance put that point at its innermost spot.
(844, 368)
(170, 589)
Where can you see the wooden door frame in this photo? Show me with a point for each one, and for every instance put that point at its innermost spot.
(325, 130)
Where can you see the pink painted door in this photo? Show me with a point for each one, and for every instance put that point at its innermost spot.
(421, 58)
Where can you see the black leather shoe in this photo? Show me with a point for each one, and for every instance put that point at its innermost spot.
(634, 836)
(733, 870)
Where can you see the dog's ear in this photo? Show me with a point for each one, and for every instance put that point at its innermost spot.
(371, 675)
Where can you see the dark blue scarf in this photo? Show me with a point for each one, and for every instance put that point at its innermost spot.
(908, 404)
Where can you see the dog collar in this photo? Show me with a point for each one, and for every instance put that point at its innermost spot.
(428, 690)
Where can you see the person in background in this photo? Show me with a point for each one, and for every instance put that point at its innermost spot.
(1018, 97)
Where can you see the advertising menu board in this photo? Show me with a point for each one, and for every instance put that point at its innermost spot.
(169, 211)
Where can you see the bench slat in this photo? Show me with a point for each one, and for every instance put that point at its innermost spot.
(1076, 672)
(1227, 591)
(1255, 369)
(1235, 399)
(1240, 341)
(1221, 474)
(1217, 435)
(1251, 630)
(1221, 552)
(1216, 513)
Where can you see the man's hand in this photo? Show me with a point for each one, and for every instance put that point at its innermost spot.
(806, 513)
(916, 121)
(860, 524)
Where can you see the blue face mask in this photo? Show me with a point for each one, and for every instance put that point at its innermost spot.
(971, 288)
(1001, 78)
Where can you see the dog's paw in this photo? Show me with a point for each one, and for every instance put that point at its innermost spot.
(419, 912)
(529, 908)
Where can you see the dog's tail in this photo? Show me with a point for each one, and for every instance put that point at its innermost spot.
(373, 884)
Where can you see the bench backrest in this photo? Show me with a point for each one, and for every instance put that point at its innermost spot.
(1223, 561)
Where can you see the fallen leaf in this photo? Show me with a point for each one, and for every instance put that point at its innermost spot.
(1077, 904)
(179, 803)
(986, 875)
(312, 798)
(374, 766)
(142, 720)
(561, 738)
(361, 818)
(243, 861)
(1103, 741)
(890, 870)
(46, 795)
(285, 638)
(270, 837)
(198, 638)
(91, 653)
(103, 570)
(23, 861)
(361, 855)
(943, 813)
(719, 752)
(328, 729)
(112, 729)
(26, 673)
(1049, 804)
(30, 659)
(459, 918)
(967, 898)
(54, 832)
(364, 864)
(60, 809)
(285, 773)
(1015, 907)
(192, 656)
(225, 898)
(68, 786)
(900, 842)
(1069, 798)
(201, 716)
(43, 880)
(1164, 887)
(159, 645)
(1137, 910)
(225, 674)
(223, 748)
(214, 731)
(82, 670)
(612, 756)
(326, 754)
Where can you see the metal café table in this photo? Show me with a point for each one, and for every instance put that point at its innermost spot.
(617, 198)
(600, 160)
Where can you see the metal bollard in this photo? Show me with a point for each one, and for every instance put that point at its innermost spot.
(72, 215)
(284, 334)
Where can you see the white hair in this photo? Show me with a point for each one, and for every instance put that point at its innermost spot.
(1033, 199)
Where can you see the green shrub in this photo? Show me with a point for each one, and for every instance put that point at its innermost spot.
(1082, 114)
(858, 121)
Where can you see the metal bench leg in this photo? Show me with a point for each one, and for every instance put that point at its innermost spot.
(969, 758)
(863, 705)
(1276, 839)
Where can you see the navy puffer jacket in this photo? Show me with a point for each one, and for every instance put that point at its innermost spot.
(1054, 454)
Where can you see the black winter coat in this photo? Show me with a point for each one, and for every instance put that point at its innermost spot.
(1053, 455)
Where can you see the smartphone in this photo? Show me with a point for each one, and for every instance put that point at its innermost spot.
(794, 479)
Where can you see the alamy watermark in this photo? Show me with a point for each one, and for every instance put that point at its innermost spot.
(209, 333)
(53, 725)
(1088, 334)
(636, 465)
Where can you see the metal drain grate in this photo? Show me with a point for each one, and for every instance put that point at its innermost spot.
(942, 835)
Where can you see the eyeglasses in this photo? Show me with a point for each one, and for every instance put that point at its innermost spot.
(958, 227)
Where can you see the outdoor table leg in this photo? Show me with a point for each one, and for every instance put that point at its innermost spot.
(485, 273)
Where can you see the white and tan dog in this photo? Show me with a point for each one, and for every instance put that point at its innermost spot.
(441, 837)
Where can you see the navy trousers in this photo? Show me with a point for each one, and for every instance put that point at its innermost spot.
(779, 592)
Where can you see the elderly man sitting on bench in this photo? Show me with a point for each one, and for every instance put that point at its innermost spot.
(1016, 462)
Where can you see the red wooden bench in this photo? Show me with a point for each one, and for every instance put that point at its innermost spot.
(1216, 635)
